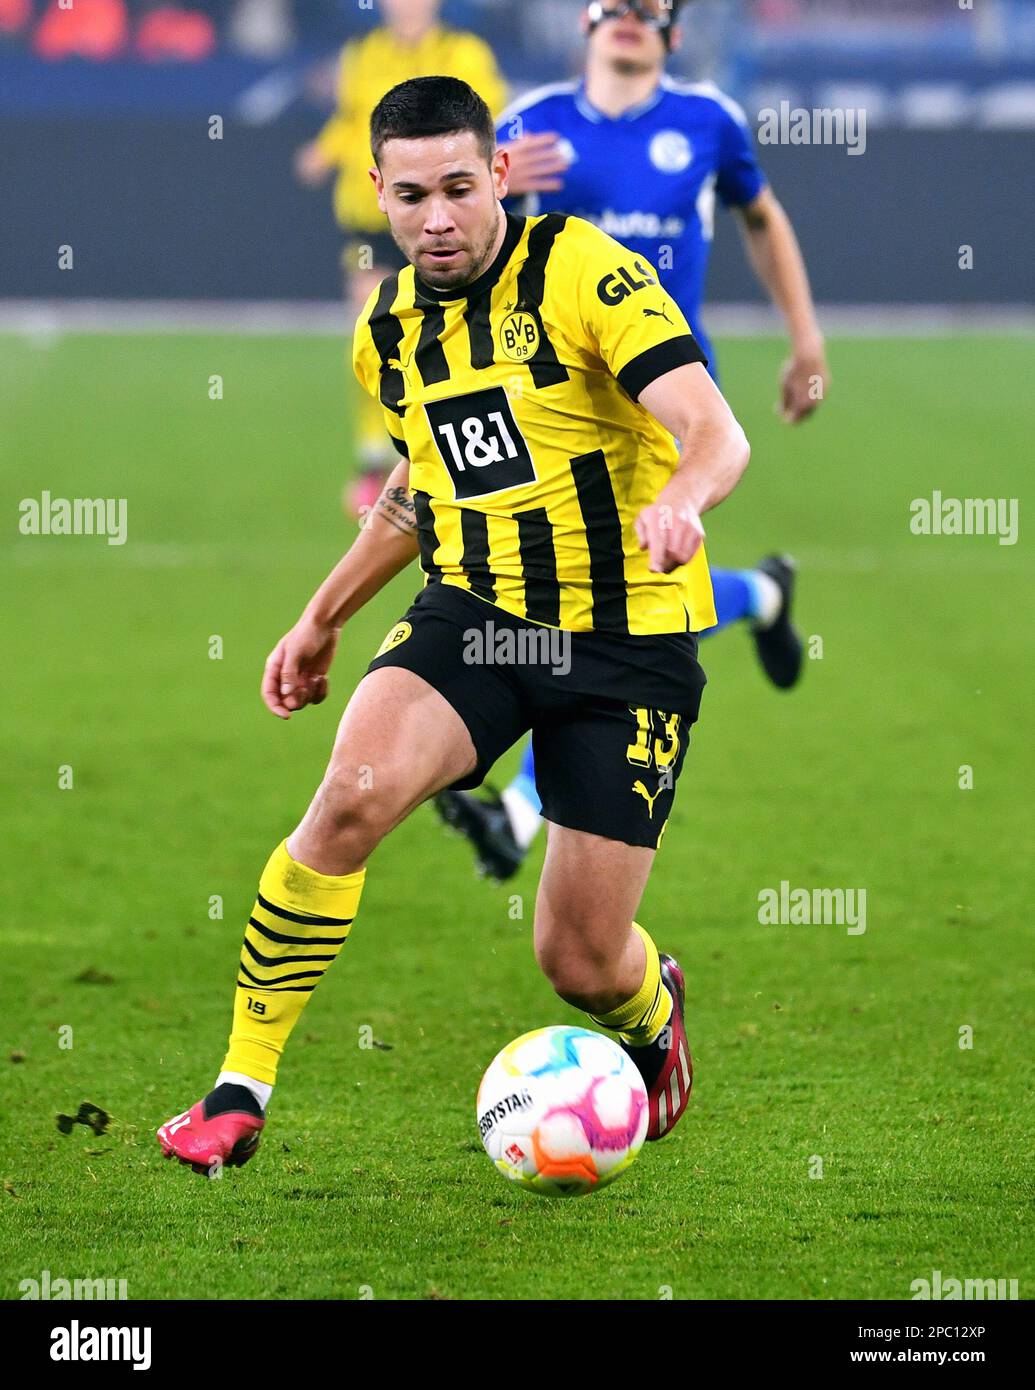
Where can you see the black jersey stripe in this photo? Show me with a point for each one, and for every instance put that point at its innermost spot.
(546, 370)
(387, 333)
(539, 566)
(604, 538)
(426, 534)
(474, 528)
(478, 308)
(430, 356)
(476, 315)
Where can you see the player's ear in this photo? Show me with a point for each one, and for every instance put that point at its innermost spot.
(500, 169)
(675, 38)
(379, 185)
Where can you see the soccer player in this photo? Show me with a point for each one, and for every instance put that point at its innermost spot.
(411, 43)
(644, 158)
(533, 375)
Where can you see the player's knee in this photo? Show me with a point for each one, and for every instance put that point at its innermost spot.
(351, 813)
(581, 971)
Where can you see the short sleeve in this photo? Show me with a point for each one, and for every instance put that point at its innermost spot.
(740, 179)
(628, 319)
(366, 363)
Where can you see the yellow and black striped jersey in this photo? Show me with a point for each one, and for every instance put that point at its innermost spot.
(515, 401)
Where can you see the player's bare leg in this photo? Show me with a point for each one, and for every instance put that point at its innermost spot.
(399, 741)
(599, 959)
(589, 892)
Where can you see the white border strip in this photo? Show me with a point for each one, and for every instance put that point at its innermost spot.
(43, 318)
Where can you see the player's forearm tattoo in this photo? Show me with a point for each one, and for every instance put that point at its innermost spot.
(396, 506)
(756, 218)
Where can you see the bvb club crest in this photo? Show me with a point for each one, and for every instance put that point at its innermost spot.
(519, 336)
(398, 634)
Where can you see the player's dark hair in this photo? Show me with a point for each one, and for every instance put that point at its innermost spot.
(425, 106)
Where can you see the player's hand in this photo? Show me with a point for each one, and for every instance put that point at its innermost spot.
(311, 165)
(672, 531)
(803, 383)
(536, 161)
(296, 669)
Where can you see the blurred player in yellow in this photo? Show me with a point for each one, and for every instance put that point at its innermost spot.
(410, 43)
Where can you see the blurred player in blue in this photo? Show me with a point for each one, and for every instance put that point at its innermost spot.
(645, 158)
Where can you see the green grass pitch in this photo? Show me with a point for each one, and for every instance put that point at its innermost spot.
(808, 1041)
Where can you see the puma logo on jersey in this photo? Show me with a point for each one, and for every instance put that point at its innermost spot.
(657, 314)
(650, 800)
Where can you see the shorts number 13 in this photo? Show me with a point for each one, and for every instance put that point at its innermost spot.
(647, 750)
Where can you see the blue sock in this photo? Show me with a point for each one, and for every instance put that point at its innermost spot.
(736, 598)
(524, 782)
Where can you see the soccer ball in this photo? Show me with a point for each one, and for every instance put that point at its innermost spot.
(562, 1111)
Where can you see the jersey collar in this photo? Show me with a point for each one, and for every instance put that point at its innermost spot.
(631, 113)
(488, 278)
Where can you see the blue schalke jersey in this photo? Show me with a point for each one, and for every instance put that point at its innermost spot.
(649, 177)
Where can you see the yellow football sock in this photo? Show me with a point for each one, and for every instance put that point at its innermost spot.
(640, 1019)
(298, 925)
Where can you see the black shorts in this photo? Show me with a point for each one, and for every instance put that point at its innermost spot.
(610, 714)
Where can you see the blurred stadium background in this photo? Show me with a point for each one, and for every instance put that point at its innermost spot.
(104, 111)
